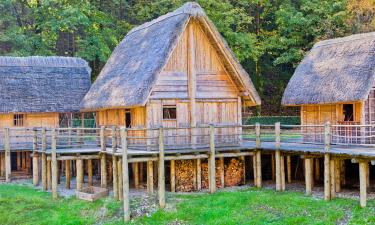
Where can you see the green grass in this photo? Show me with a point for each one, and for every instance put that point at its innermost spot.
(24, 205)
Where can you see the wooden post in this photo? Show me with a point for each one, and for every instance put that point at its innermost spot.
(327, 136)
(44, 159)
(362, 182)
(125, 173)
(289, 168)
(103, 158)
(259, 168)
(161, 177)
(327, 177)
(114, 165)
(278, 157)
(67, 174)
(199, 175)
(211, 161)
(282, 165)
(273, 171)
(79, 177)
(150, 177)
(257, 136)
(89, 172)
(136, 174)
(54, 166)
(120, 182)
(255, 168)
(173, 176)
(8, 167)
(222, 178)
(308, 175)
(49, 175)
(35, 158)
(278, 170)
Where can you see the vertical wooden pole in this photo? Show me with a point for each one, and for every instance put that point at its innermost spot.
(255, 168)
(362, 182)
(114, 164)
(35, 158)
(211, 161)
(103, 158)
(327, 177)
(199, 175)
(44, 159)
(222, 178)
(79, 177)
(273, 167)
(49, 175)
(338, 175)
(317, 169)
(19, 161)
(173, 176)
(278, 157)
(54, 166)
(8, 167)
(161, 175)
(136, 174)
(67, 174)
(289, 168)
(89, 172)
(308, 175)
(120, 182)
(125, 173)
(150, 177)
(282, 165)
(257, 136)
(259, 168)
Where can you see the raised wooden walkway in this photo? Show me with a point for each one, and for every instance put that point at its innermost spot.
(126, 146)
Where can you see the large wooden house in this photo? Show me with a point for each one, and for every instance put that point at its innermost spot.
(38, 92)
(175, 71)
(335, 83)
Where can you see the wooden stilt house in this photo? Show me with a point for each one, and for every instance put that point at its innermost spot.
(174, 71)
(38, 92)
(335, 83)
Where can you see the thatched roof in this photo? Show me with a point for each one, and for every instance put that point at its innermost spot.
(42, 84)
(337, 70)
(132, 70)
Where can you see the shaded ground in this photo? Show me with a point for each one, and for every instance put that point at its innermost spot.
(22, 204)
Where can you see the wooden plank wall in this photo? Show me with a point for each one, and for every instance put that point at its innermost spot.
(116, 117)
(32, 120)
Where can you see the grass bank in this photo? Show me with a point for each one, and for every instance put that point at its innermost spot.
(20, 204)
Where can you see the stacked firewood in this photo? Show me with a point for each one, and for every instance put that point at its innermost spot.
(205, 183)
(234, 172)
(185, 175)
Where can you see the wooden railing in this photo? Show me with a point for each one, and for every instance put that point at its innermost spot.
(108, 138)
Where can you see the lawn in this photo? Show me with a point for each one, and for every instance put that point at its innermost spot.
(21, 204)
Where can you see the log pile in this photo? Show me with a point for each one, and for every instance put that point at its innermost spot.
(205, 183)
(234, 172)
(185, 175)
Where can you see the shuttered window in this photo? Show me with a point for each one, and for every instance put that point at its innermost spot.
(18, 120)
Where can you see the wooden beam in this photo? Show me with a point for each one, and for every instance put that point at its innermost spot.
(67, 174)
(233, 154)
(362, 183)
(35, 159)
(44, 160)
(278, 170)
(186, 157)
(143, 159)
(114, 177)
(49, 175)
(308, 175)
(222, 172)
(54, 166)
(199, 175)
(136, 174)
(150, 177)
(89, 172)
(327, 177)
(161, 177)
(120, 182)
(211, 161)
(289, 168)
(79, 176)
(317, 169)
(125, 173)
(282, 165)
(8, 167)
(333, 178)
(173, 176)
(259, 168)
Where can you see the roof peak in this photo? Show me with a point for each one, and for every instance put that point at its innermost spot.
(191, 8)
(353, 37)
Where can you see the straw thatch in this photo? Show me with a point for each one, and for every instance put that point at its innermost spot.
(42, 84)
(337, 70)
(131, 71)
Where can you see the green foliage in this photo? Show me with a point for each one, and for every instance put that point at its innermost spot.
(270, 120)
(269, 37)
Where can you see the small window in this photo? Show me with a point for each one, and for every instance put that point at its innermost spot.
(128, 119)
(169, 112)
(348, 112)
(18, 120)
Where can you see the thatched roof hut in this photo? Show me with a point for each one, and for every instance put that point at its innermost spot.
(42, 84)
(133, 68)
(337, 70)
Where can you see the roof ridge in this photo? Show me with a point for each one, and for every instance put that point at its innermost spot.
(353, 37)
(190, 8)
